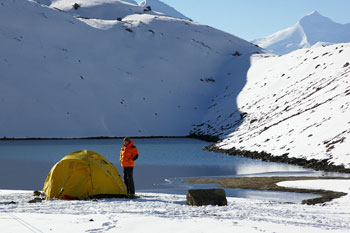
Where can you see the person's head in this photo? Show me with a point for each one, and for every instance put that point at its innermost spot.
(126, 141)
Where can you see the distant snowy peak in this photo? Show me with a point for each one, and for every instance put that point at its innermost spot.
(314, 17)
(322, 29)
(159, 6)
(284, 41)
(310, 30)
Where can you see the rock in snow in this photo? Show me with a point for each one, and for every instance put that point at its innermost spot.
(310, 30)
(200, 197)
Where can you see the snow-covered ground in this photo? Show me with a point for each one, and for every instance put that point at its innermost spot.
(155, 212)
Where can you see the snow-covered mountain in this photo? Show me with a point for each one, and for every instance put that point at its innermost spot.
(297, 105)
(160, 6)
(310, 30)
(146, 74)
(142, 75)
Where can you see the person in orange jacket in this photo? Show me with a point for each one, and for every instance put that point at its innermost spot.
(128, 155)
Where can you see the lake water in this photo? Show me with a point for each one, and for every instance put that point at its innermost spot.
(161, 167)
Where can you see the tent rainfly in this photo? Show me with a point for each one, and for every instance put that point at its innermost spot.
(81, 175)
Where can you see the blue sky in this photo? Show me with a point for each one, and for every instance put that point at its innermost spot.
(252, 19)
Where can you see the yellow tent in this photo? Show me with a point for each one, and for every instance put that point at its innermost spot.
(81, 175)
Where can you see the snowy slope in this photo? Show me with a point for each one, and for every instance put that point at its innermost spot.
(297, 105)
(311, 29)
(142, 76)
(159, 6)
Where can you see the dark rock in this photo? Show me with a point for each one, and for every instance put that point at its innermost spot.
(36, 193)
(200, 197)
(208, 80)
(148, 8)
(346, 64)
(253, 120)
(11, 203)
(243, 115)
(35, 200)
(76, 6)
(236, 54)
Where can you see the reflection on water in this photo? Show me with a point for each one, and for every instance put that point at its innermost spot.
(25, 164)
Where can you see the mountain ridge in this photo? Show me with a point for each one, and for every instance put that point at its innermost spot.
(311, 29)
(162, 7)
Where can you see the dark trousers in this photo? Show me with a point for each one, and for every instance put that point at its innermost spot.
(129, 180)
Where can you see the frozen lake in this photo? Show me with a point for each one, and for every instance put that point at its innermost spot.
(162, 164)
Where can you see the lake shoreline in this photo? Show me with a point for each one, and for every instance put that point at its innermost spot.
(270, 184)
(318, 165)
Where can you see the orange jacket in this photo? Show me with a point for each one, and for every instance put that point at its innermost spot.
(128, 155)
